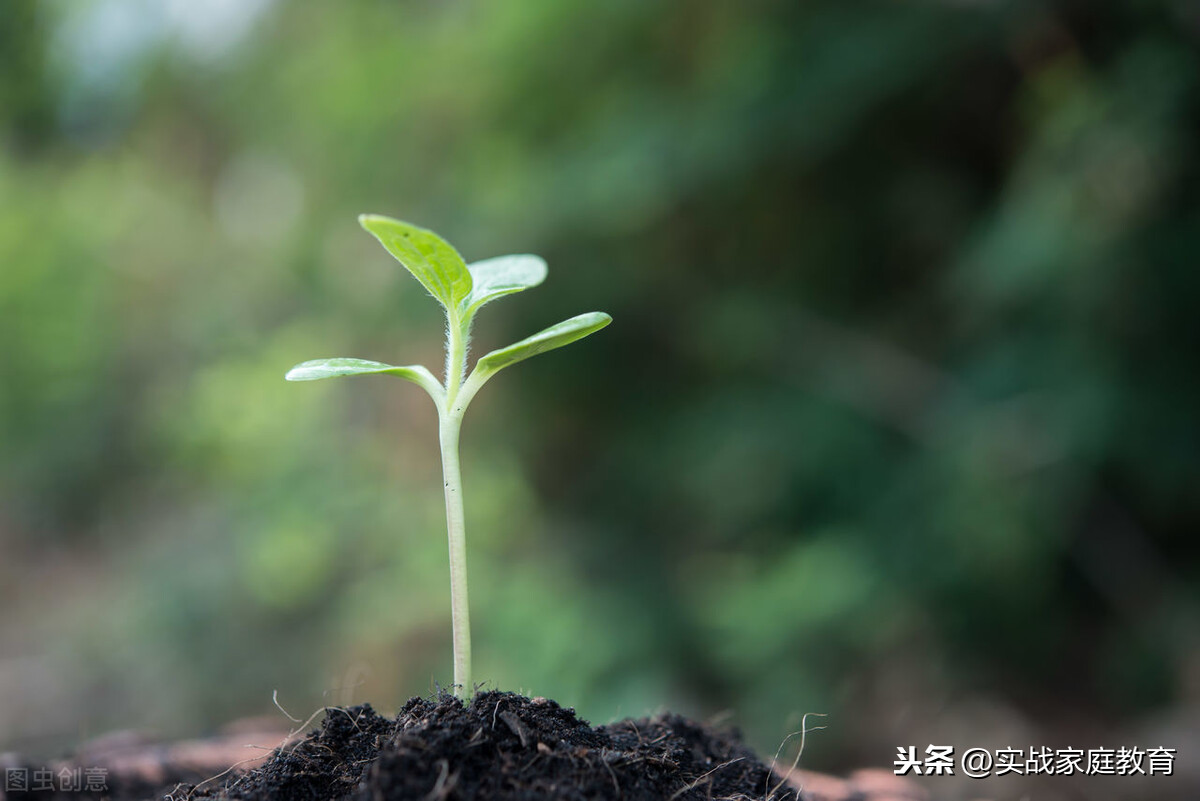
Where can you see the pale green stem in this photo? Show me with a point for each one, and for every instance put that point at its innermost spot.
(450, 423)
(456, 356)
(456, 533)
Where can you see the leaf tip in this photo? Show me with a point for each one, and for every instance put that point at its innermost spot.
(297, 373)
(367, 220)
(594, 321)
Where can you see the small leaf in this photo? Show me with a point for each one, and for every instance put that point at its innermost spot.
(431, 259)
(332, 368)
(553, 337)
(503, 275)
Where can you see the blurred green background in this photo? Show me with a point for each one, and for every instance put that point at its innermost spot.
(897, 419)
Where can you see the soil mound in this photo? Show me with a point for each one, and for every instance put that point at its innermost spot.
(507, 747)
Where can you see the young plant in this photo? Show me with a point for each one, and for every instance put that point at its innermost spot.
(462, 290)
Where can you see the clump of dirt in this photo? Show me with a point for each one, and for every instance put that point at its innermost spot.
(507, 747)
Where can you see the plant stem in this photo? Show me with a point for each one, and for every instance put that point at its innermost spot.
(456, 357)
(450, 423)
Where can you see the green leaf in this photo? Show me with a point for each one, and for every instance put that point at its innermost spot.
(333, 368)
(503, 275)
(553, 337)
(431, 259)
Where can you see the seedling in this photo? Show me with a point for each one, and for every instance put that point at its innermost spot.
(462, 290)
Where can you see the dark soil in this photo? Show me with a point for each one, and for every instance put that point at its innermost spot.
(501, 746)
(505, 746)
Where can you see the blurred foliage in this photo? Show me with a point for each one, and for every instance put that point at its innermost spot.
(899, 407)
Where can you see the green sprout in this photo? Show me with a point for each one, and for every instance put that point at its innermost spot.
(462, 290)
